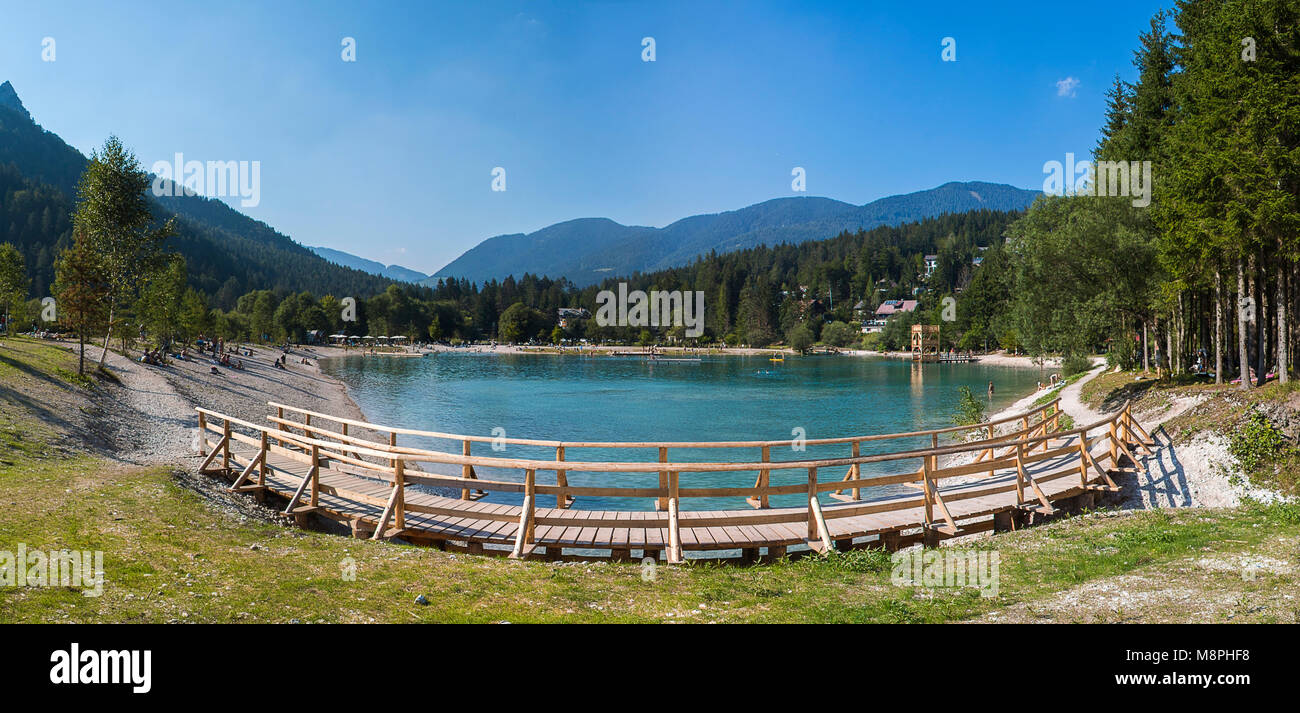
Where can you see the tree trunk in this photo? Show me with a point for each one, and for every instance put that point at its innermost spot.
(1243, 327)
(1283, 331)
(1170, 325)
(1146, 353)
(108, 335)
(1261, 323)
(1181, 343)
(1218, 327)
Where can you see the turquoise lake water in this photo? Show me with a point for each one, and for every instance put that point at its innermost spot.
(718, 398)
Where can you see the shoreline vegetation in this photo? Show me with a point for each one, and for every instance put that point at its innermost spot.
(1001, 359)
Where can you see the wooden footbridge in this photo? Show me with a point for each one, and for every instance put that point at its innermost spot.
(997, 476)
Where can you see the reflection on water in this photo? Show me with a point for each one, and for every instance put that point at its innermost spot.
(585, 398)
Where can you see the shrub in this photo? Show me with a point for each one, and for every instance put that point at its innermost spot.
(800, 338)
(1075, 364)
(1122, 353)
(1258, 443)
(970, 410)
(837, 334)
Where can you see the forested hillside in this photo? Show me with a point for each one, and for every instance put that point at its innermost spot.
(227, 252)
(756, 296)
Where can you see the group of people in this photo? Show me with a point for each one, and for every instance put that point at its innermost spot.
(226, 361)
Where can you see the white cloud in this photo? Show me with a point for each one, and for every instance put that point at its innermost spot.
(1065, 87)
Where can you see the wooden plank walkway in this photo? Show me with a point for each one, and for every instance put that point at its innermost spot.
(1011, 480)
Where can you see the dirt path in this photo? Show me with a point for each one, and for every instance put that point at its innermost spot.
(1072, 398)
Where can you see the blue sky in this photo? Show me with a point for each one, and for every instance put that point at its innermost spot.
(390, 157)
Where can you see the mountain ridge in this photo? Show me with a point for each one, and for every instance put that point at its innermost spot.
(374, 267)
(587, 250)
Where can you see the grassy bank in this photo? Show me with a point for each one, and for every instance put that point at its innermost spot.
(169, 556)
(172, 555)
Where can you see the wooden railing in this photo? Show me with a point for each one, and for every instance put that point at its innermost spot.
(1036, 438)
(1042, 419)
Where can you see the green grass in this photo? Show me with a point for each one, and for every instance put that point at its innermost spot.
(170, 557)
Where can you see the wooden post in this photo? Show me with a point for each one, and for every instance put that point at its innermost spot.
(1083, 459)
(1114, 449)
(525, 534)
(812, 500)
(856, 473)
(315, 475)
(674, 531)
(765, 478)
(203, 434)
(261, 456)
(662, 503)
(279, 413)
(992, 456)
(561, 481)
(399, 482)
(934, 460)
(392, 443)
(817, 529)
(925, 491)
(225, 448)
(530, 489)
(466, 471)
(1020, 473)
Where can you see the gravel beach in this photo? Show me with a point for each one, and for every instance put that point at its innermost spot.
(158, 423)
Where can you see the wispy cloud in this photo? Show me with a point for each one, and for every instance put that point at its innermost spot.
(1066, 87)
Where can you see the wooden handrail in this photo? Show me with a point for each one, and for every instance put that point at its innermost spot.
(1065, 454)
(654, 444)
(439, 457)
(317, 451)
